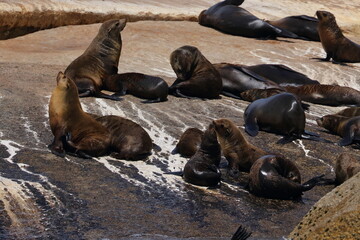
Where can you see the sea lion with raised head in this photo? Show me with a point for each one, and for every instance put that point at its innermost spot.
(73, 129)
(336, 45)
(237, 79)
(196, 76)
(155, 89)
(189, 142)
(347, 128)
(282, 114)
(347, 165)
(332, 95)
(99, 61)
(273, 176)
(301, 25)
(203, 168)
(240, 153)
(228, 17)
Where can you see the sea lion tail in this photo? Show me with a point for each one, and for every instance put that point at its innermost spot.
(241, 234)
(312, 183)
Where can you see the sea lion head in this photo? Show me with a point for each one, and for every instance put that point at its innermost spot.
(328, 120)
(209, 138)
(325, 16)
(112, 28)
(183, 61)
(223, 127)
(65, 84)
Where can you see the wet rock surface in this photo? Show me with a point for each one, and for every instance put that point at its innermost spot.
(70, 198)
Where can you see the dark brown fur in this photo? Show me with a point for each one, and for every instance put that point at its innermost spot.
(189, 142)
(347, 165)
(336, 45)
(99, 61)
(349, 112)
(255, 94)
(196, 76)
(238, 151)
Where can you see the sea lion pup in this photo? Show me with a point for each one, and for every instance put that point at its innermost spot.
(202, 168)
(347, 165)
(237, 79)
(189, 142)
(196, 76)
(128, 139)
(99, 61)
(282, 114)
(349, 112)
(302, 25)
(347, 128)
(336, 45)
(140, 85)
(228, 18)
(74, 130)
(281, 74)
(331, 95)
(273, 176)
(237, 150)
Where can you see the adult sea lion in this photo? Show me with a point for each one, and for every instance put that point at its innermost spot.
(196, 76)
(202, 168)
(237, 150)
(347, 128)
(227, 17)
(237, 79)
(347, 165)
(332, 95)
(189, 142)
(302, 25)
(273, 176)
(128, 139)
(140, 85)
(99, 61)
(73, 129)
(349, 112)
(336, 45)
(282, 113)
(281, 74)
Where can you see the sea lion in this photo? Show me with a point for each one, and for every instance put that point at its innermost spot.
(237, 79)
(73, 129)
(281, 74)
(255, 94)
(140, 85)
(331, 95)
(196, 76)
(336, 45)
(99, 61)
(347, 128)
(349, 112)
(282, 114)
(237, 150)
(128, 139)
(189, 142)
(302, 25)
(228, 18)
(202, 168)
(273, 176)
(347, 165)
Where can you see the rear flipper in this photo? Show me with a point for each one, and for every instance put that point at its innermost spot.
(241, 234)
(228, 94)
(177, 93)
(106, 96)
(314, 138)
(154, 100)
(287, 139)
(312, 183)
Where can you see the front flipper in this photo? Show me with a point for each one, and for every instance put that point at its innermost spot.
(229, 94)
(106, 96)
(241, 234)
(348, 137)
(251, 126)
(287, 139)
(72, 150)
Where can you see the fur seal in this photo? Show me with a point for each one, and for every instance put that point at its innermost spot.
(331, 95)
(336, 45)
(196, 76)
(302, 25)
(255, 94)
(349, 112)
(140, 85)
(68, 120)
(237, 150)
(128, 139)
(228, 18)
(237, 79)
(281, 74)
(99, 61)
(202, 168)
(273, 176)
(347, 165)
(282, 114)
(189, 142)
(347, 128)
